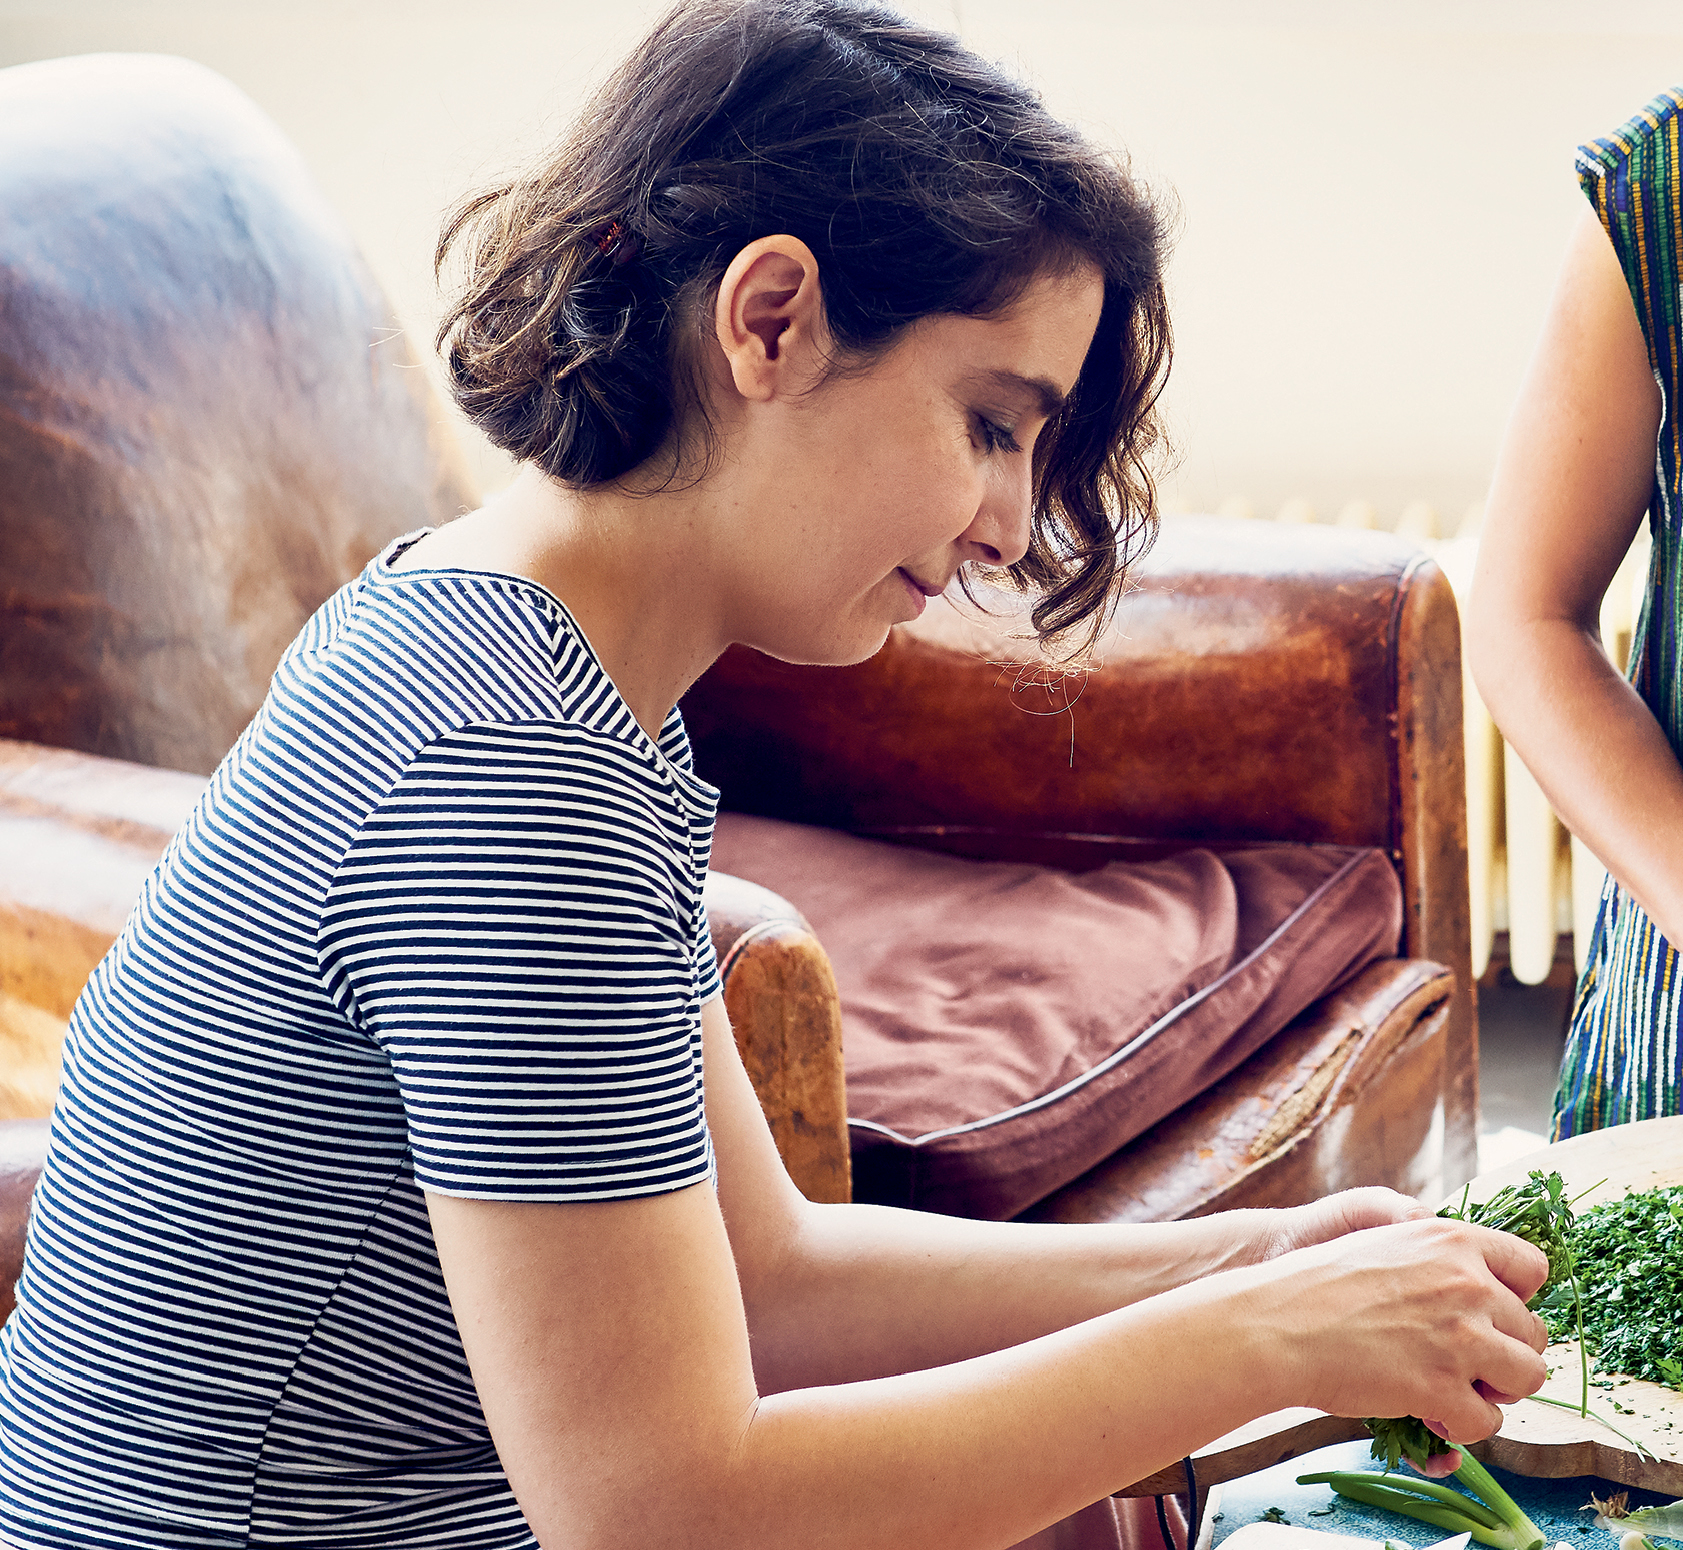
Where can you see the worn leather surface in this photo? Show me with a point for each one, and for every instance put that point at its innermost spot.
(1244, 691)
(208, 418)
(1261, 683)
(781, 997)
(80, 835)
(1432, 839)
(1019, 1023)
(1348, 1094)
(23, 1150)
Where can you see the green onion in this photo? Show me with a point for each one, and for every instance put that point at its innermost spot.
(1666, 1521)
(1634, 1527)
(1491, 1516)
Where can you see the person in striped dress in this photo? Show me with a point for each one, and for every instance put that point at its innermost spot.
(1593, 447)
(406, 1189)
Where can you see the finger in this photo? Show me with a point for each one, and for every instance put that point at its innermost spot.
(1511, 1367)
(1520, 1324)
(1335, 1216)
(1469, 1417)
(1518, 1265)
(1375, 1206)
(1495, 1395)
(1438, 1465)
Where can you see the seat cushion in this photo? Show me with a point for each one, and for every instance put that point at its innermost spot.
(1006, 1026)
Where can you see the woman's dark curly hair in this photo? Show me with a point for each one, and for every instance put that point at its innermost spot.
(924, 181)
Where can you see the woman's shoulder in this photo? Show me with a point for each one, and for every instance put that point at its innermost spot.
(1645, 144)
(486, 645)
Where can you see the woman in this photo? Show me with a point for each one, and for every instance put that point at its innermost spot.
(1593, 445)
(406, 1188)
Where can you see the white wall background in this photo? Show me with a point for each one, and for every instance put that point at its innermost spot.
(1373, 196)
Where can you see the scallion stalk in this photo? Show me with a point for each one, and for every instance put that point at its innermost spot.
(1490, 1515)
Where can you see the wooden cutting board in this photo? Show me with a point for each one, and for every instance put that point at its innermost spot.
(1547, 1443)
(1535, 1440)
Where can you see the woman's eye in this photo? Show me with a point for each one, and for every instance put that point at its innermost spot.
(996, 438)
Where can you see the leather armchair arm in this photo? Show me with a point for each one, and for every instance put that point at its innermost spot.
(23, 1150)
(786, 1013)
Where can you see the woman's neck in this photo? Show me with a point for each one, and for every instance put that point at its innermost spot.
(635, 572)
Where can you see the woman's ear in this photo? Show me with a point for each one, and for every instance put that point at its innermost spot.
(769, 318)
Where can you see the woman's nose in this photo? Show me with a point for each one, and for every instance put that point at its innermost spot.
(999, 535)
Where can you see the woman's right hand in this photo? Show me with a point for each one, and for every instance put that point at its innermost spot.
(1423, 1318)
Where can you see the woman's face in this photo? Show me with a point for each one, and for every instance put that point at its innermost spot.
(859, 499)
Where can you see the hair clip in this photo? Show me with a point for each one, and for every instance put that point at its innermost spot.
(618, 243)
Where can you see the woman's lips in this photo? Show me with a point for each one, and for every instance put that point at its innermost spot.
(920, 593)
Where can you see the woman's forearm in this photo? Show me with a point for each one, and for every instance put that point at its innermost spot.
(1575, 475)
(866, 1291)
(1597, 752)
(986, 1451)
(613, 1361)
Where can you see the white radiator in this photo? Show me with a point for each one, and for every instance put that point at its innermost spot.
(1527, 876)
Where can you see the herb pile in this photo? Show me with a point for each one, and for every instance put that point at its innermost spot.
(1630, 1265)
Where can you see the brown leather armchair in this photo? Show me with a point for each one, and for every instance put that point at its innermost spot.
(1260, 685)
(181, 483)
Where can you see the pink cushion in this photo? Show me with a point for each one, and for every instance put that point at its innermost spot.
(1007, 1026)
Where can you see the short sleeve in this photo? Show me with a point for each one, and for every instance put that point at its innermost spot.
(518, 924)
(1634, 177)
(708, 983)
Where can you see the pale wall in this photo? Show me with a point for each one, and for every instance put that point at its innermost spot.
(1371, 213)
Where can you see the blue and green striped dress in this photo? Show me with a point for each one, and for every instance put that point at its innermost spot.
(1622, 1053)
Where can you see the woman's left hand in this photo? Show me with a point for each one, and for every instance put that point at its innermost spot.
(1352, 1210)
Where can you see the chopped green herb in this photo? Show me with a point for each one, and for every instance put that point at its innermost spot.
(1629, 1254)
(1273, 1515)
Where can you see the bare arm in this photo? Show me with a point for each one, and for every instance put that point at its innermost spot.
(612, 1351)
(1574, 478)
(834, 1294)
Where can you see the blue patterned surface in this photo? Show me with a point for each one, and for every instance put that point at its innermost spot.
(1551, 1504)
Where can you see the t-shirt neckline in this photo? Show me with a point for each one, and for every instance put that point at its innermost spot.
(695, 790)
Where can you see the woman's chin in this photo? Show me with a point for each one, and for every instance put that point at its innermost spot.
(831, 648)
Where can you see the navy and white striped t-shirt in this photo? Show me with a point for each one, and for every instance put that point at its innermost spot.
(436, 924)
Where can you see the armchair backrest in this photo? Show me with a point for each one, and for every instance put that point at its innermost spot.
(208, 417)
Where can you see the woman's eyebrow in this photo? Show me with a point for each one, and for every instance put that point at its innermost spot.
(1047, 394)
